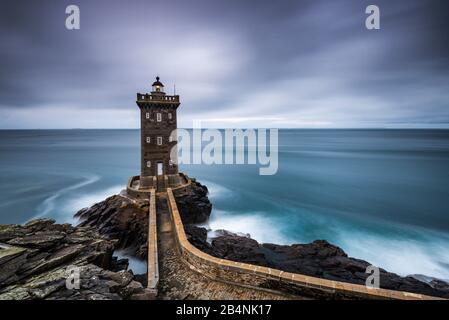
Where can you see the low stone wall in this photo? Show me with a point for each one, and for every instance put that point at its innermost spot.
(186, 182)
(153, 264)
(178, 183)
(135, 192)
(266, 278)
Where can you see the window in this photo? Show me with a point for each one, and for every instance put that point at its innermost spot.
(149, 164)
(148, 140)
(147, 115)
(159, 117)
(159, 141)
(169, 116)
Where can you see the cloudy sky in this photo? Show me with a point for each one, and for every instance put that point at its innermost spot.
(236, 63)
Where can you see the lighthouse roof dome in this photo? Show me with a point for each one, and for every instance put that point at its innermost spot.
(157, 83)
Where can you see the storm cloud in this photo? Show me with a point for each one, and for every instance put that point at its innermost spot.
(235, 63)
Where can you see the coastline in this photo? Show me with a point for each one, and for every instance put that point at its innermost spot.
(122, 222)
(305, 201)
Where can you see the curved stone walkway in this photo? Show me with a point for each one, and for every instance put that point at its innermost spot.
(178, 279)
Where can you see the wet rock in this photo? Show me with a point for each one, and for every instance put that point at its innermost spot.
(39, 224)
(120, 219)
(197, 237)
(119, 264)
(439, 285)
(38, 240)
(133, 288)
(319, 259)
(193, 204)
(35, 263)
(35, 258)
(221, 232)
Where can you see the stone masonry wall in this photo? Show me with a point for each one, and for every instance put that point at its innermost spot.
(153, 264)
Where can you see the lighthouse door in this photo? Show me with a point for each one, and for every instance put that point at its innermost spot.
(160, 169)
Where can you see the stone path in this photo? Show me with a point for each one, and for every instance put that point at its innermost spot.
(179, 281)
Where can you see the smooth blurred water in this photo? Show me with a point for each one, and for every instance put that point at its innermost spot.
(379, 194)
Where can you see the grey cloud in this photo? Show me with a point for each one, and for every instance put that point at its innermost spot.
(305, 61)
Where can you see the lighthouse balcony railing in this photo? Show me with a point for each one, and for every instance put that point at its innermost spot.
(159, 98)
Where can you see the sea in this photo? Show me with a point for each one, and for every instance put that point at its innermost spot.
(381, 195)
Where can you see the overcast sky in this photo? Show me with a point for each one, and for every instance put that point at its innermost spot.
(235, 63)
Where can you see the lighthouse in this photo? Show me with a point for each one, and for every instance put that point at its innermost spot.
(158, 123)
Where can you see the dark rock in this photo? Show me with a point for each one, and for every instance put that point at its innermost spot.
(198, 237)
(439, 285)
(10, 231)
(39, 224)
(238, 248)
(35, 258)
(193, 204)
(39, 240)
(221, 232)
(120, 219)
(142, 278)
(319, 259)
(119, 264)
(132, 288)
(36, 261)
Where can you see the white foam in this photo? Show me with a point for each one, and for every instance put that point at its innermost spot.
(258, 226)
(87, 200)
(137, 266)
(48, 205)
(216, 190)
(402, 256)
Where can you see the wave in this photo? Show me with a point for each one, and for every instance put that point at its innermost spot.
(72, 206)
(136, 265)
(48, 205)
(257, 225)
(397, 249)
(217, 191)
(403, 256)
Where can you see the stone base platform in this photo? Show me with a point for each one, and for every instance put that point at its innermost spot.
(159, 183)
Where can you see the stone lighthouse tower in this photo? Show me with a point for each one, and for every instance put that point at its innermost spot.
(158, 135)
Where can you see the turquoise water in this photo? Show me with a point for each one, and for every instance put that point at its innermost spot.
(381, 195)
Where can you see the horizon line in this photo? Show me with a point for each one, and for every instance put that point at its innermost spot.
(283, 128)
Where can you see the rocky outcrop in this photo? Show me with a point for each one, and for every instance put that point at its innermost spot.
(121, 219)
(319, 259)
(193, 204)
(37, 258)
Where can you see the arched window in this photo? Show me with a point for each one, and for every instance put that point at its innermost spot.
(149, 164)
